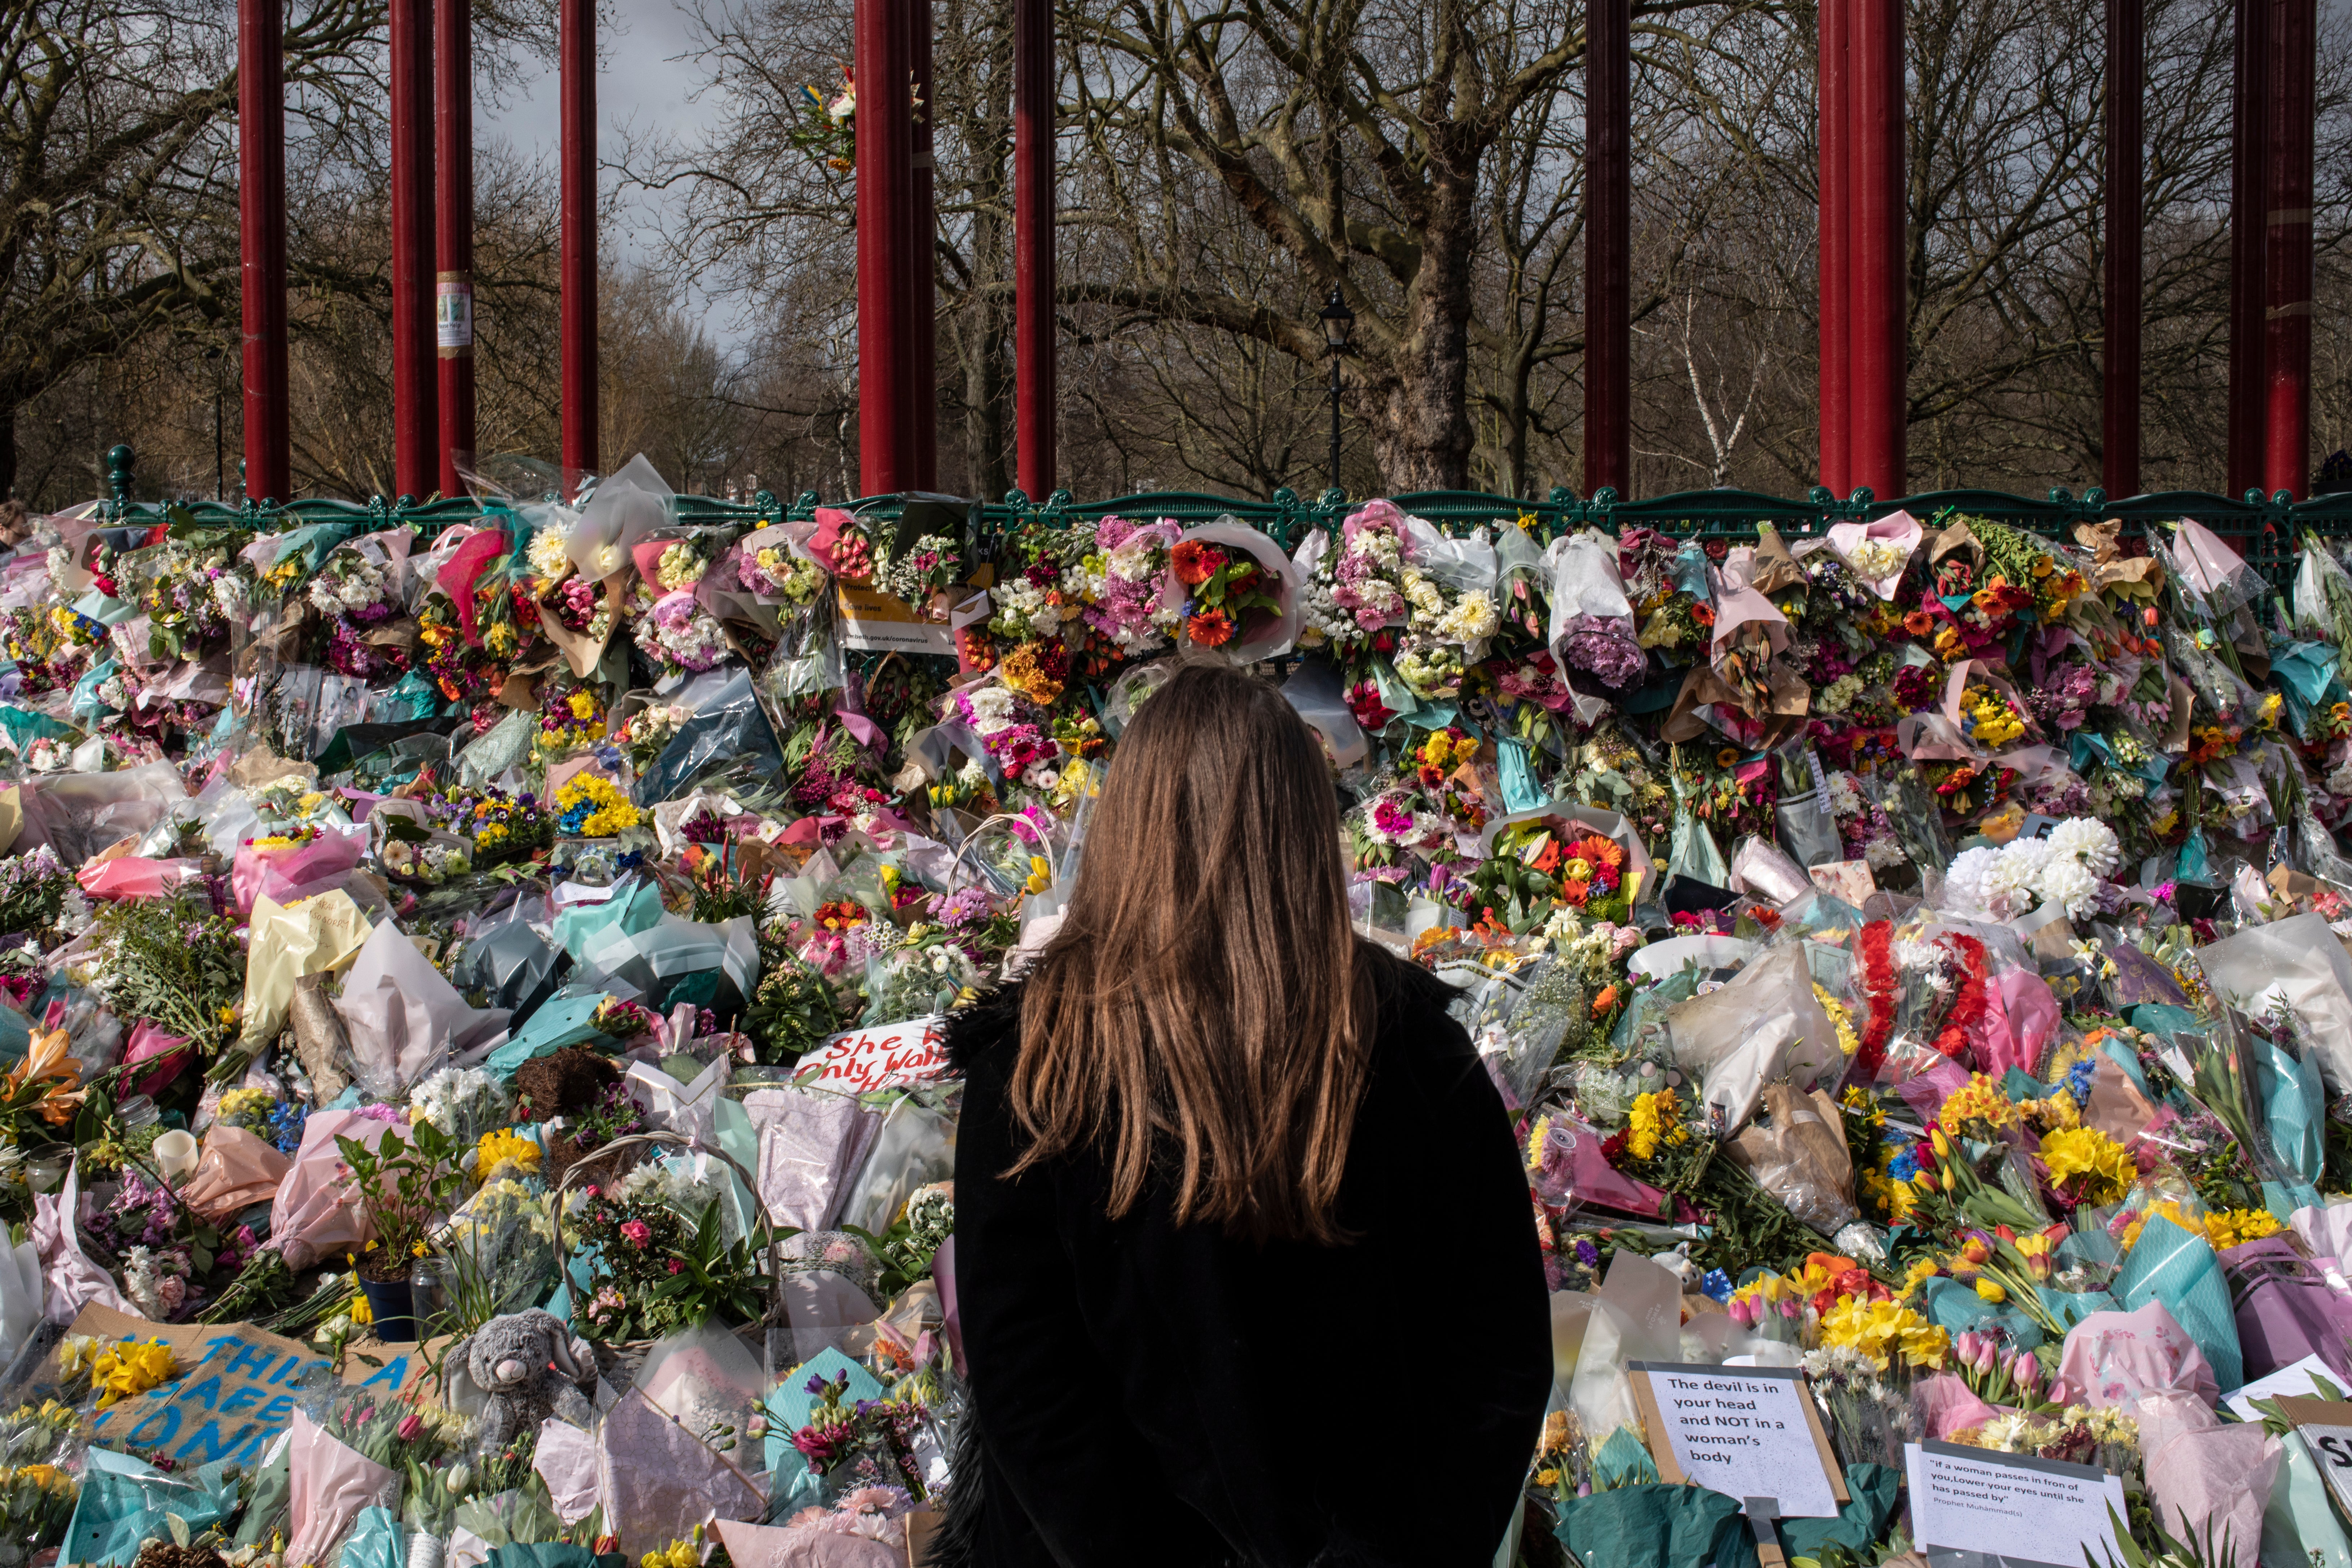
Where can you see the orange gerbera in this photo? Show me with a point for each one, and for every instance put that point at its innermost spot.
(1919, 623)
(1604, 851)
(1210, 629)
(1194, 562)
(1703, 614)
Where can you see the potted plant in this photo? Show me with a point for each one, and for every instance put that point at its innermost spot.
(404, 1184)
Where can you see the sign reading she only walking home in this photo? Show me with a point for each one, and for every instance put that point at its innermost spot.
(1744, 1431)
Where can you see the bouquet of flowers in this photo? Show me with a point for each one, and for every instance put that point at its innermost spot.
(1124, 606)
(350, 587)
(775, 571)
(34, 886)
(591, 806)
(931, 564)
(657, 1271)
(184, 618)
(676, 634)
(1222, 588)
(570, 717)
(646, 733)
(860, 1444)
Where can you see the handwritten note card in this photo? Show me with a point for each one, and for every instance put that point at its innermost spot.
(1746, 1432)
(2010, 1506)
(859, 1061)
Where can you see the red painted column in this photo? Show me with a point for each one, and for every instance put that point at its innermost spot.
(415, 385)
(261, 224)
(1834, 85)
(922, 282)
(2286, 348)
(1608, 246)
(1881, 324)
(885, 192)
(2120, 302)
(576, 47)
(453, 237)
(2249, 283)
(1033, 245)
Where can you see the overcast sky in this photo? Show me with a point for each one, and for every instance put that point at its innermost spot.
(643, 85)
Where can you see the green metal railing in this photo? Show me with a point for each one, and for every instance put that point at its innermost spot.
(2268, 530)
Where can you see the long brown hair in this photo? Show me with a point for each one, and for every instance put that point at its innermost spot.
(1203, 999)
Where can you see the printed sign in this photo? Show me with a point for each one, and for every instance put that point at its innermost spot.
(874, 620)
(1746, 1432)
(859, 1061)
(2325, 1429)
(235, 1390)
(453, 314)
(1973, 1499)
(2300, 1377)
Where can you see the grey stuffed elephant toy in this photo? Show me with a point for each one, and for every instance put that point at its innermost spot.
(529, 1366)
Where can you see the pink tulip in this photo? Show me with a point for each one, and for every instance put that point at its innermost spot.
(410, 1426)
(1988, 1356)
(1965, 1347)
(1743, 1310)
(2059, 1393)
(2025, 1372)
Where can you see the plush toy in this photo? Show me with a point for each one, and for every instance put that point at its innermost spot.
(529, 1366)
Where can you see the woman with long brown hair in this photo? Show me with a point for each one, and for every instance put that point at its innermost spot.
(1245, 1264)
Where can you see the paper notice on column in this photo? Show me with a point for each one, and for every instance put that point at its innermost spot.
(2010, 1506)
(870, 619)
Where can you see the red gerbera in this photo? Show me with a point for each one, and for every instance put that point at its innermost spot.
(1195, 563)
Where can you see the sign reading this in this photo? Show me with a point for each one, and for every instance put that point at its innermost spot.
(1744, 1431)
(859, 1061)
(1974, 1499)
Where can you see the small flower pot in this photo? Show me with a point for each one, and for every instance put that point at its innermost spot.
(392, 1305)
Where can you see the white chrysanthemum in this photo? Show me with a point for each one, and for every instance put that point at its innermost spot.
(1964, 883)
(2070, 884)
(2086, 842)
(2011, 883)
(1882, 852)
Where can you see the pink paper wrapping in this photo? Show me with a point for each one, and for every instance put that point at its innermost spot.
(328, 1482)
(776, 1546)
(810, 1143)
(565, 1459)
(236, 1170)
(130, 876)
(2019, 1016)
(457, 576)
(2209, 1481)
(316, 1214)
(1900, 527)
(658, 1480)
(70, 1280)
(2328, 1231)
(149, 1043)
(1926, 1093)
(1948, 1405)
(285, 875)
(2114, 1358)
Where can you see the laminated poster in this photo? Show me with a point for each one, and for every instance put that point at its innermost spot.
(2010, 1508)
(1744, 1431)
(2326, 1427)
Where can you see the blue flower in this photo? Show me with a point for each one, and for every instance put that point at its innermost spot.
(1904, 1167)
(1587, 1254)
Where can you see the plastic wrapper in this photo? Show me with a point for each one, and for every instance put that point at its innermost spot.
(1764, 1024)
(285, 944)
(402, 1016)
(288, 875)
(729, 729)
(1795, 1148)
(70, 1280)
(2299, 1525)
(1317, 694)
(124, 1503)
(512, 967)
(2207, 1476)
(2296, 962)
(1760, 870)
(810, 1143)
(331, 1482)
(2285, 1309)
(21, 1290)
(915, 1147)
(706, 1381)
(79, 814)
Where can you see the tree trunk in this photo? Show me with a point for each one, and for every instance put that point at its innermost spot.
(1421, 414)
(7, 450)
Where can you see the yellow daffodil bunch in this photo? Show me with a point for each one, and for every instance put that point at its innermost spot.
(127, 1370)
(1885, 1330)
(1980, 1100)
(2085, 1164)
(1841, 1019)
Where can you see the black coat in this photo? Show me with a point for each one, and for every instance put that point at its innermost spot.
(1144, 1394)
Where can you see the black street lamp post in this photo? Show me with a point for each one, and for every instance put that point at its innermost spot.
(1337, 321)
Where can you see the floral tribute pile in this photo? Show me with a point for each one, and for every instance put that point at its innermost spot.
(1916, 956)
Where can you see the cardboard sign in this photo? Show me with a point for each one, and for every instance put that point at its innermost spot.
(869, 618)
(1746, 1432)
(236, 1392)
(2326, 1427)
(2003, 1505)
(859, 1061)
